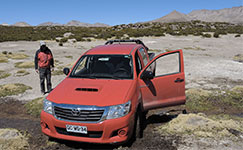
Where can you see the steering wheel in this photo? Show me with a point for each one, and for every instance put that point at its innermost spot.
(122, 70)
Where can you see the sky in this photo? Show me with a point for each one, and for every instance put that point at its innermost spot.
(112, 12)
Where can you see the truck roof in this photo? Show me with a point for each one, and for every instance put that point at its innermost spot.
(124, 49)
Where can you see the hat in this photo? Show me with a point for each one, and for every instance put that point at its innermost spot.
(42, 43)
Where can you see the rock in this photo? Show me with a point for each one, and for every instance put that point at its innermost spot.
(12, 139)
(67, 35)
(72, 40)
(58, 39)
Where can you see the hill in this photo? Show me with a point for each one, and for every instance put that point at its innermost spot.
(21, 24)
(231, 15)
(174, 16)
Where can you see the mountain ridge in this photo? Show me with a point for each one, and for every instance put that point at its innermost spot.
(230, 15)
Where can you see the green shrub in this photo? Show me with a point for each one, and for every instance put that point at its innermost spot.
(237, 35)
(207, 35)
(5, 52)
(216, 35)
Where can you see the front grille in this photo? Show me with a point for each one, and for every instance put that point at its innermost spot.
(91, 134)
(78, 114)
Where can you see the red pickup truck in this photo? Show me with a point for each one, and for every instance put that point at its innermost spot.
(105, 95)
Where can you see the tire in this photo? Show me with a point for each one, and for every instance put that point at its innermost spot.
(139, 124)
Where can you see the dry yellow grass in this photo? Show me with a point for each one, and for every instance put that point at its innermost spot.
(4, 74)
(12, 139)
(3, 59)
(17, 56)
(238, 58)
(35, 106)
(201, 126)
(28, 64)
(22, 73)
(13, 89)
(13, 56)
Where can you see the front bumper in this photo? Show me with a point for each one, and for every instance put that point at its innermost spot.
(108, 131)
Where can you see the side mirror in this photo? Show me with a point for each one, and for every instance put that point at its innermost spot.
(147, 75)
(66, 71)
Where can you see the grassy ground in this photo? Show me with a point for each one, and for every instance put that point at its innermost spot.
(34, 107)
(13, 89)
(4, 74)
(14, 140)
(28, 64)
(22, 73)
(199, 100)
(238, 57)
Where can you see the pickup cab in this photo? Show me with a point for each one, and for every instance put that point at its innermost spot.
(106, 94)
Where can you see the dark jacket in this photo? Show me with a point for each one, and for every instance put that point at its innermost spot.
(44, 58)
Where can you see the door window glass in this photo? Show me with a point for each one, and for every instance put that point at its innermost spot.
(138, 63)
(166, 64)
(144, 56)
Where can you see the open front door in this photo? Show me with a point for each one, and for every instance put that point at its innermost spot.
(162, 81)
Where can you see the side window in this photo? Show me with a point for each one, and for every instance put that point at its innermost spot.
(138, 63)
(166, 64)
(144, 56)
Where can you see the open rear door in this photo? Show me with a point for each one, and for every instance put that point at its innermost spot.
(163, 85)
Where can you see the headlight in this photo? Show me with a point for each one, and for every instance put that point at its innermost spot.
(47, 106)
(118, 111)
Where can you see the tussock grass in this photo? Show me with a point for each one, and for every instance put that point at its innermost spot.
(28, 64)
(22, 73)
(194, 48)
(71, 57)
(17, 56)
(35, 106)
(238, 57)
(199, 100)
(154, 50)
(201, 126)
(3, 59)
(10, 55)
(57, 62)
(57, 72)
(70, 65)
(13, 89)
(12, 139)
(4, 74)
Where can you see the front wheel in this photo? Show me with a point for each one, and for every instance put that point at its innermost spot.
(139, 124)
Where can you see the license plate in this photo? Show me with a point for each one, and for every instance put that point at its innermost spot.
(76, 129)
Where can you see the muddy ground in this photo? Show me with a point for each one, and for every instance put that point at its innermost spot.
(14, 115)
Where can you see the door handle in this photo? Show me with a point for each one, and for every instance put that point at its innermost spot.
(179, 80)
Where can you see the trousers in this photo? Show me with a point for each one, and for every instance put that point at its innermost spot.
(45, 73)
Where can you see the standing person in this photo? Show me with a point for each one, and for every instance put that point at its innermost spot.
(44, 64)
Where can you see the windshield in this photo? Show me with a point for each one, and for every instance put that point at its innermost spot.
(104, 66)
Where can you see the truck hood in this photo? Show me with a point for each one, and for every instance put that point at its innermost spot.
(96, 92)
